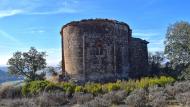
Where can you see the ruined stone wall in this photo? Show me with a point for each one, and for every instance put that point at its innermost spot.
(101, 49)
(96, 49)
(138, 57)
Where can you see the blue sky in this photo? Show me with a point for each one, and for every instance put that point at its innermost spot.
(26, 23)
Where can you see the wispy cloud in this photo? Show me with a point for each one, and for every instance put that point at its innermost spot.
(5, 13)
(8, 36)
(37, 31)
(37, 7)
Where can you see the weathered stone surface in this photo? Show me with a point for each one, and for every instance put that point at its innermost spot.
(99, 49)
(138, 57)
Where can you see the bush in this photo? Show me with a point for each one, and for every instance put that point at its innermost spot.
(79, 89)
(24, 102)
(93, 88)
(52, 87)
(68, 87)
(164, 80)
(158, 98)
(170, 90)
(160, 101)
(110, 87)
(128, 86)
(146, 82)
(52, 99)
(143, 83)
(81, 98)
(177, 88)
(115, 97)
(97, 102)
(183, 98)
(34, 87)
(137, 98)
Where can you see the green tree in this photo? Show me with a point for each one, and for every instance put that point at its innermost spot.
(155, 63)
(27, 64)
(157, 58)
(52, 71)
(177, 45)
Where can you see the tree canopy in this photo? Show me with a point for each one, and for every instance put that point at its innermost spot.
(177, 43)
(27, 64)
(177, 48)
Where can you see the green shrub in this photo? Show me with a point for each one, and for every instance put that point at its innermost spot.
(163, 80)
(166, 80)
(79, 89)
(143, 83)
(37, 86)
(131, 85)
(52, 87)
(111, 87)
(25, 89)
(68, 87)
(93, 88)
(34, 87)
(128, 86)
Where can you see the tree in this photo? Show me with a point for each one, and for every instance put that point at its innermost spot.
(52, 71)
(157, 58)
(177, 43)
(177, 46)
(155, 61)
(27, 64)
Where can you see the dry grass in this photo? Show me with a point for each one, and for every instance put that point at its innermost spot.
(10, 91)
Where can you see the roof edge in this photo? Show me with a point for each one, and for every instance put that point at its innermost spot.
(97, 19)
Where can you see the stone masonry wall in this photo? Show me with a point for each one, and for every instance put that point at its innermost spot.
(138, 57)
(101, 49)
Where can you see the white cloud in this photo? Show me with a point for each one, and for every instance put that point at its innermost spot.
(37, 7)
(37, 31)
(34, 30)
(5, 13)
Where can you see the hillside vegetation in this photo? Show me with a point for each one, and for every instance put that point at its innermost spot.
(135, 93)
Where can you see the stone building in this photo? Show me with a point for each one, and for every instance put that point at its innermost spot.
(102, 49)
